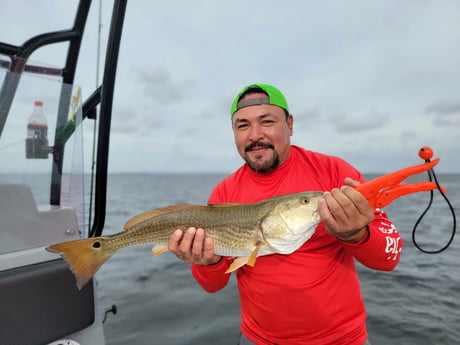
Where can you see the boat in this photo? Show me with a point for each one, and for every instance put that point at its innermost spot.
(44, 198)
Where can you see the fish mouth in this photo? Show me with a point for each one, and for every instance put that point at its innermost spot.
(257, 146)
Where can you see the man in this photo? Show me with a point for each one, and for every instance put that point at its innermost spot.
(311, 296)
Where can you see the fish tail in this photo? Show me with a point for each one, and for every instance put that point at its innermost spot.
(84, 257)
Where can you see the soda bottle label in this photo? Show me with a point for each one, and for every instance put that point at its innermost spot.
(37, 134)
(37, 131)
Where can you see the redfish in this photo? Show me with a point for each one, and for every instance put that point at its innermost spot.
(277, 225)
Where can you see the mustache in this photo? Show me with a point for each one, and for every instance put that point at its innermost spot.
(258, 144)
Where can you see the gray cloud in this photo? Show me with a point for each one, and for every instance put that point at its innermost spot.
(446, 107)
(445, 114)
(447, 120)
(124, 121)
(158, 84)
(307, 115)
(348, 124)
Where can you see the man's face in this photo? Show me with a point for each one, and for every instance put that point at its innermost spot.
(262, 135)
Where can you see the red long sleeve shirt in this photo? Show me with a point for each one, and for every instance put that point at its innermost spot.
(311, 296)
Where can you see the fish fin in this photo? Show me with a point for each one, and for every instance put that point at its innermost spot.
(159, 249)
(227, 204)
(245, 260)
(84, 257)
(237, 263)
(154, 213)
(253, 257)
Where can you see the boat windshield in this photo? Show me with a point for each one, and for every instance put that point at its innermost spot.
(41, 139)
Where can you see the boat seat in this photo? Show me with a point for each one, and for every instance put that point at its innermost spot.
(23, 226)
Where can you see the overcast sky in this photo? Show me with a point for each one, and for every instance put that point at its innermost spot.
(368, 81)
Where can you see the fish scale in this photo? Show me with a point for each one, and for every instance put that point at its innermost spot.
(232, 237)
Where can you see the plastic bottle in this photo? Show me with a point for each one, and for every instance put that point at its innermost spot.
(37, 133)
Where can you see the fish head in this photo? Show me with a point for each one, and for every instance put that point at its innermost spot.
(292, 221)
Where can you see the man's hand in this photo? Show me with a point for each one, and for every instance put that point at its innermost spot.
(346, 212)
(193, 247)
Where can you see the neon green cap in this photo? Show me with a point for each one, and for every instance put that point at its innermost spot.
(275, 97)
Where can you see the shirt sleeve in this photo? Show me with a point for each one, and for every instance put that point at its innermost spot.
(381, 248)
(212, 278)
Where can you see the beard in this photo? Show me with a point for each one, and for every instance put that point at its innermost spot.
(260, 164)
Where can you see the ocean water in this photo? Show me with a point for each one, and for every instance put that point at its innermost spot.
(158, 301)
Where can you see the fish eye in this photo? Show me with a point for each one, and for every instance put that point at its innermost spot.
(97, 244)
(305, 201)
